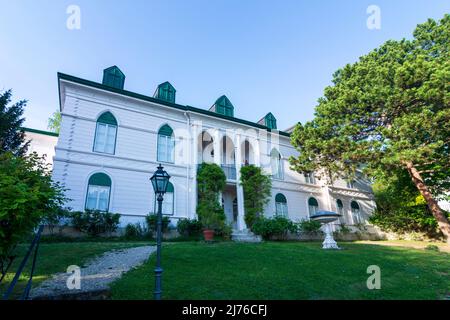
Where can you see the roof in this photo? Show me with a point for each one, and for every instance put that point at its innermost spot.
(47, 133)
(63, 76)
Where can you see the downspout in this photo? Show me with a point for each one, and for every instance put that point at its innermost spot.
(188, 165)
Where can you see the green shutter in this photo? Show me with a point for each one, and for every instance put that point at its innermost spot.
(170, 187)
(280, 198)
(354, 205)
(339, 203)
(165, 130)
(313, 202)
(100, 179)
(107, 118)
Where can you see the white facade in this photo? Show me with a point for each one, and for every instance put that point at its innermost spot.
(42, 142)
(199, 135)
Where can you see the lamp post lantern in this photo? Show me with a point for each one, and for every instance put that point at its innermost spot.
(160, 181)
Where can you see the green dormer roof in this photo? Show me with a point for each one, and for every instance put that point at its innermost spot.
(113, 77)
(223, 106)
(269, 121)
(166, 92)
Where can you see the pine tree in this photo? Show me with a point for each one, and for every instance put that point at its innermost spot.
(389, 111)
(12, 137)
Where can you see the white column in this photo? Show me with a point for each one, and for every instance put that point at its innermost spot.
(239, 190)
(218, 155)
(193, 189)
(217, 148)
(257, 155)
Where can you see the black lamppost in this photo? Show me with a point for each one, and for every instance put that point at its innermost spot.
(160, 181)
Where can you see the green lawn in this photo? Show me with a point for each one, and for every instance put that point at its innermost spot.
(56, 257)
(289, 270)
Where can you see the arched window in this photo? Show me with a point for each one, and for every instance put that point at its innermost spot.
(98, 192)
(168, 202)
(313, 206)
(275, 162)
(340, 210)
(281, 208)
(166, 144)
(356, 212)
(105, 133)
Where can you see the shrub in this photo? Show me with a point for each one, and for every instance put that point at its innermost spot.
(94, 222)
(432, 247)
(225, 231)
(134, 231)
(151, 220)
(27, 195)
(210, 214)
(343, 228)
(413, 218)
(274, 227)
(310, 226)
(188, 227)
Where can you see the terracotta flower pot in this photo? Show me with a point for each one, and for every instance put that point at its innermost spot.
(209, 235)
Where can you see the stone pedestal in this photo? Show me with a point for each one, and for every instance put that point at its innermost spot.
(329, 242)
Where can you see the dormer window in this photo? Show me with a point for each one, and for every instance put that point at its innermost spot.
(223, 106)
(113, 77)
(269, 121)
(166, 92)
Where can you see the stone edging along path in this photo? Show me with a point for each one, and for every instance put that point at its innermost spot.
(96, 275)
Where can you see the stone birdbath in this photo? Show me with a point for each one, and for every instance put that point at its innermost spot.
(325, 218)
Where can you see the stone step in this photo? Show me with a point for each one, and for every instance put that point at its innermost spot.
(245, 236)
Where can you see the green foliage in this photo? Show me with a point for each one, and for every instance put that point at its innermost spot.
(257, 189)
(310, 226)
(211, 180)
(151, 221)
(389, 111)
(54, 218)
(400, 207)
(188, 227)
(210, 214)
(12, 138)
(27, 196)
(136, 231)
(432, 247)
(343, 228)
(95, 222)
(54, 122)
(278, 227)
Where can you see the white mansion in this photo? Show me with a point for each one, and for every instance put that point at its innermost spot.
(111, 141)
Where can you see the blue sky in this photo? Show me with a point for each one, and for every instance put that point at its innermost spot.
(265, 56)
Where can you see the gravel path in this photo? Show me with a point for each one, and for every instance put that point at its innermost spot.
(97, 273)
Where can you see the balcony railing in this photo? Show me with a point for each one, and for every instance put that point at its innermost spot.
(230, 171)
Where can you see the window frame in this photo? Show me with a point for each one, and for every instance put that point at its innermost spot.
(168, 139)
(279, 175)
(108, 126)
(100, 186)
(310, 206)
(284, 212)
